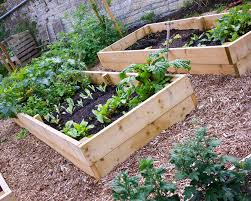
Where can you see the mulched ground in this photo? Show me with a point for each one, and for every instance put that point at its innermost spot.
(35, 172)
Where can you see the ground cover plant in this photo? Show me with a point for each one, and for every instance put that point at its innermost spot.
(195, 161)
(229, 28)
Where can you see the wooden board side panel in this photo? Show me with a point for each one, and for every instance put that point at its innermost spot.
(210, 20)
(118, 60)
(64, 145)
(188, 23)
(7, 194)
(244, 65)
(122, 129)
(122, 152)
(240, 48)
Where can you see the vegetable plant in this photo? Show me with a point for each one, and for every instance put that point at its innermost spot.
(209, 177)
(77, 131)
(102, 88)
(70, 108)
(131, 91)
(153, 187)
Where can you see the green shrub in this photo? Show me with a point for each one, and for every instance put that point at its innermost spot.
(210, 179)
(89, 36)
(148, 17)
(153, 187)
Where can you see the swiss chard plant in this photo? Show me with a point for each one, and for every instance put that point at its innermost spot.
(77, 131)
(131, 91)
(209, 177)
(153, 186)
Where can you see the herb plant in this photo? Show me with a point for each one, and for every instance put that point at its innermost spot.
(77, 131)
(154, 187)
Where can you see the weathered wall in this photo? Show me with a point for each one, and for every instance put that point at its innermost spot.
(49, 15)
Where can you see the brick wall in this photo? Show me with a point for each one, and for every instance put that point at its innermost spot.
(49, 15)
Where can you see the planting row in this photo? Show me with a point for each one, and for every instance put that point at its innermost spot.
(215, 44)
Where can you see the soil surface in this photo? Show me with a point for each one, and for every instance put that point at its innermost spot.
(178, 38)
(85, 111)
(34, 171)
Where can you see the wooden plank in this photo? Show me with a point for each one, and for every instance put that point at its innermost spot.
(118, 60)
(63, 144)
(22, 49)
(7, 194)
(121, 130)
(27, 51)
(200, 69)
(240, 48)
(244, 65)
(124, 150)
(188, 23)
(130, 39)
(210, 20)
(29, 56)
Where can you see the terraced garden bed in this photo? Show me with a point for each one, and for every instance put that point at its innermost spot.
(99, 153)
(210, 57)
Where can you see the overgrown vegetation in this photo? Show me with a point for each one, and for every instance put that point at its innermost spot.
(90, 35)
(195, 161)
(148, 17)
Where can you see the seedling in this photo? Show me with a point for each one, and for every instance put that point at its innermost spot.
(52, 119)
(102, 88)
(22, 134)
(80, 103)
(77, 131)
(57, 108)
(70, 107)
(88, 94)
(92, 88)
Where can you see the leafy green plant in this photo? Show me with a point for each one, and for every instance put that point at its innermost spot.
(232, 25)
(87, 95)
(70, 108)
(52, 119)
(153, 187)
(22, 134)
(77, 131)
(80, 103)
(228, 28)
(131, 91)
(102, 88)
(210, 179)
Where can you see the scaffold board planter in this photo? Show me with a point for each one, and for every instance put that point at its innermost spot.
(98, 155)
(232, 58)
(5, 193)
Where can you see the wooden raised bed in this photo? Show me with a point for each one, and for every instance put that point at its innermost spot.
(230, 59)
(6, 194)
(99, 154)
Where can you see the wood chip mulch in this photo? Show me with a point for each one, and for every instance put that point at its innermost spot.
(36, 172)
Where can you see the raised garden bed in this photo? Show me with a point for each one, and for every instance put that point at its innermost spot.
(99, 154)
(5, 193)
(233, 58)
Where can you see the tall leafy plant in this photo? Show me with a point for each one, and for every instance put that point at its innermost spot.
(209, 177)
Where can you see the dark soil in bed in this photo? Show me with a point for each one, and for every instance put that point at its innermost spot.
(157, 40)
(85, 112)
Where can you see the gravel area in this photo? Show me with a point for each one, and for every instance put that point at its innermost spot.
(35, 172)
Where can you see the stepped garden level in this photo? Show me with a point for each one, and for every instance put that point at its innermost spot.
(232, 58)
(99, 154)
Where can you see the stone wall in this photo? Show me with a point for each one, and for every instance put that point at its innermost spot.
(50, 15)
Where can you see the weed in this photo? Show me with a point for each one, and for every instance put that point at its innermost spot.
(22, 134)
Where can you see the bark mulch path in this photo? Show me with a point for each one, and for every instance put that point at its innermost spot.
(35, 172)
